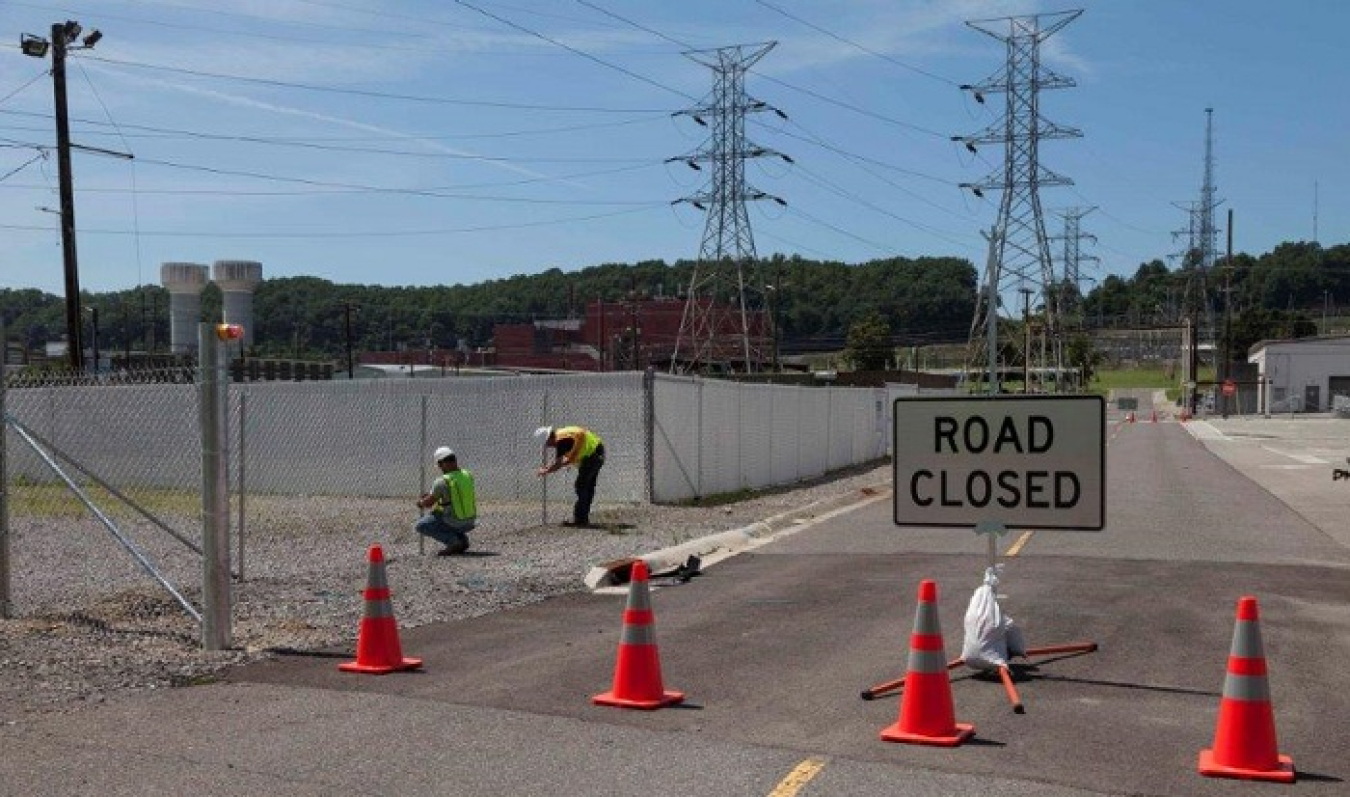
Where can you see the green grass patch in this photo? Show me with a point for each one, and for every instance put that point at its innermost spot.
(1144, 378)
(1134, 378)
(57, 501)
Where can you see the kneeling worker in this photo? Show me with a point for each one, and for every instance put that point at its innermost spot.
(453, 505)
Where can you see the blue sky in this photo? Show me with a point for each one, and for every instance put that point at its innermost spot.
(409, 142)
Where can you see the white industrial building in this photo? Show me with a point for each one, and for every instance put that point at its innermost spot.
(1303, 375)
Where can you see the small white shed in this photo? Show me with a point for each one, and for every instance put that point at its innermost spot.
(1303, 375)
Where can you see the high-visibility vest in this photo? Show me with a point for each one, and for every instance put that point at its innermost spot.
(463, 502)
(584, 442)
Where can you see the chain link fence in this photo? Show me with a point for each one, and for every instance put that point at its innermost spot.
(94, 465)
(113, 462)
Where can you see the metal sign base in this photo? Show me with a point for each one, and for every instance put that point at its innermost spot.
(993, 529)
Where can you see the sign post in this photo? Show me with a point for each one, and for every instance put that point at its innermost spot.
(997, 462)
(1229, 390)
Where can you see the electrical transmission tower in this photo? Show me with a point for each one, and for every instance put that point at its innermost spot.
(1198, 262)
(1070, 298)
(725, 320)
(1023, 251)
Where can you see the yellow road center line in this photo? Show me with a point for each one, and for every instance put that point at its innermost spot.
(1017, 546)
(798, 777)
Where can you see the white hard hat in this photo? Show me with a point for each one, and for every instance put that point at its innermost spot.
(543, 432)
(443, 453)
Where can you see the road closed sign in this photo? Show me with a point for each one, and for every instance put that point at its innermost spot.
(1022, 461)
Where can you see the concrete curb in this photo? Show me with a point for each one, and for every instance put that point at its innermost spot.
(725, 544)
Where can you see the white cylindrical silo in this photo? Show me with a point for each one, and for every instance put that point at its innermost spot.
(184, 282)
(237, 280)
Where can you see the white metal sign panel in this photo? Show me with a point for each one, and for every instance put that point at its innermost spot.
(1023, 461)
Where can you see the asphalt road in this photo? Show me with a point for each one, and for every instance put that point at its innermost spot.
(773, 647)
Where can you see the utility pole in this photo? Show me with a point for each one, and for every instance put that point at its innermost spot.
(1227, 314)
(64, 36)
(126, 336)
(600, 338)
(74, 340)
(348, 307)
(777, 316)
(1026, 331)
(93, 315)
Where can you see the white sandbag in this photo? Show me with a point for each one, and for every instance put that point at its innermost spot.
(991, 636)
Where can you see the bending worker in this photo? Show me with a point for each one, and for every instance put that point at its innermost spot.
(581, 447)
(453, 505)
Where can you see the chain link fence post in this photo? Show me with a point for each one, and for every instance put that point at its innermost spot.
(649, 430)
(212, 393)
(4, 481)
(543, 460)
(242, 488)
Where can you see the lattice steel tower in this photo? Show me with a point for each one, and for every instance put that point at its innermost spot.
(1205, 241)
(1199, 260)
(1070, 295)
(724, 320)
(1019, 248)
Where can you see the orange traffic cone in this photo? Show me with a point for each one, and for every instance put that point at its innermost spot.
(1244, 741)
(926, 713)
(377, 647)
(637, 671)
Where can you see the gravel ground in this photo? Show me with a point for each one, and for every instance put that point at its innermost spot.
(89, 623)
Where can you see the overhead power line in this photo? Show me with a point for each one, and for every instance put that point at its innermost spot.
(461, 156)
(579, 52)
(433, 191)
(345, 233)
(34, 79)
(383, 95)
(22, 166)
(370, 188)
(854, 108)
(852, 43)
(270, 21)
(658, 34)
(171, 132)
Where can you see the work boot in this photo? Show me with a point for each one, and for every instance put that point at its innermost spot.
(454, 549)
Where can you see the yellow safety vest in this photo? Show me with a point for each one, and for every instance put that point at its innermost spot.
(584, 442)
(463, 502)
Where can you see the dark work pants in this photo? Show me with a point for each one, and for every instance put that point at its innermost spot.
(587, 473)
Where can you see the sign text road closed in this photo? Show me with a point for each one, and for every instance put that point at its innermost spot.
(1023, 461)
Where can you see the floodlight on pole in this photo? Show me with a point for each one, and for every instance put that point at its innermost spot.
(34, 46)
(64, 38)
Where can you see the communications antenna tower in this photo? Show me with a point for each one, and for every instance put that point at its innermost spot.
(1209, 234)
(1023, 250)
(1198, 263)
(1206, 239)
(724, 320)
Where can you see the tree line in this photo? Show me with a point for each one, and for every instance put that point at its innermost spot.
(816, 304)
(1290, 292)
